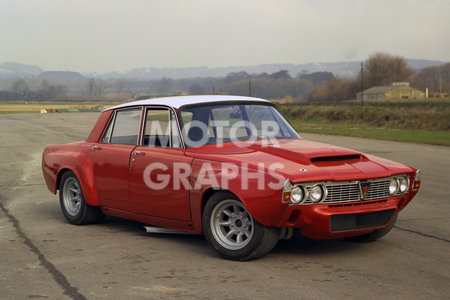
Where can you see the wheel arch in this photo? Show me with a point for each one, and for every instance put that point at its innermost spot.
(59, 176)
(198, 200)
(207, 194)
(264, 204)
(87, 182)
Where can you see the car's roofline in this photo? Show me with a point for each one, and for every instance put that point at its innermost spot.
(177, 102)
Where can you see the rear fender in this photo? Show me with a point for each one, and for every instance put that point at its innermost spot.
(58, 159)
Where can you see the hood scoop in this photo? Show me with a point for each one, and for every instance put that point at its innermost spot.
(338, 158)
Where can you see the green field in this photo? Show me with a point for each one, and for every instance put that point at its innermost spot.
(437, 137)
(415, 121)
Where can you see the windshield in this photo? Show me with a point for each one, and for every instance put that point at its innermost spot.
(216, 124)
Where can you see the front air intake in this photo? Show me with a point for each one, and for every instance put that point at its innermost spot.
(360, 221)
(335, 158)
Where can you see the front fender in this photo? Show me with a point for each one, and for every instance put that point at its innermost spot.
(259, 190)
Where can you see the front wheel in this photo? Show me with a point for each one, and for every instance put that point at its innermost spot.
(231, 230)
(73, 204)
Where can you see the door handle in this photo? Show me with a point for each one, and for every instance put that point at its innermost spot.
(138, 153)
(93, 148)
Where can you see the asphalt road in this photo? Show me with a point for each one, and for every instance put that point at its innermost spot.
(42, 256)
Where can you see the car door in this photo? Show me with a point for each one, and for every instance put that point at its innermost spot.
(110, 157)
(159, 170)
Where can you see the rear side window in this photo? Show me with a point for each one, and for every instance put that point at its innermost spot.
(107, 134)
(124, 127)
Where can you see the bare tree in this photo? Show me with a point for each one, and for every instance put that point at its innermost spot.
(120, 85)
(382, 69)
(280, 74)
(90, 87)
(60, 91)
(165, 86)
(334, 89)
(437, 79)
(20, 87)
(95, 87)
(49, 91)
(195, 89)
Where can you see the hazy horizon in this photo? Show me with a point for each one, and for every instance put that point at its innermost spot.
(105, 35)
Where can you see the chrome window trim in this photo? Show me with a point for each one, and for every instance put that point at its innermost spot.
(113, 121)
(169, 115)
(140, 120)
(171, 112)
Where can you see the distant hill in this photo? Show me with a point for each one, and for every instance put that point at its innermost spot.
(13, 69)
(60, 75)
(419, 64)
(343, 69)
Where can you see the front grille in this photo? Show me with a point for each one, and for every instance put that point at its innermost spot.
(378, 189)
(343, 193)
(351, 191)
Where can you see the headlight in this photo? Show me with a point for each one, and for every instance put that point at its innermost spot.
(297, 195)
(393, 186)
(403, 184)
(317, 193)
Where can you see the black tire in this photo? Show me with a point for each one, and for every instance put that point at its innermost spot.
(255, 239)
(376, 234)
(73, 205)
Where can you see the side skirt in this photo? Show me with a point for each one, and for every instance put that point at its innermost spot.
(156, 221)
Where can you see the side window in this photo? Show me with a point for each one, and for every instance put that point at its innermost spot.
(125, 128)
(161, 129)
(107, 134)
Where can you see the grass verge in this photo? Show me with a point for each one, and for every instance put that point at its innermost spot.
(436, 137)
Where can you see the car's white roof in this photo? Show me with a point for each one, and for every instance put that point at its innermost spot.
(177, 102)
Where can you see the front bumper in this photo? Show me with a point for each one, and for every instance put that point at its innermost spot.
(329, 221)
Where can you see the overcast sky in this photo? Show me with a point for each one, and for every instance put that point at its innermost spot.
(118, 35)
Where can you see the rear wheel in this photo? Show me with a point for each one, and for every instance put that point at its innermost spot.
(231, 230)
(73, 205)
(376, 234)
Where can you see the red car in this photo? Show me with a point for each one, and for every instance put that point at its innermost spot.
(229, 167)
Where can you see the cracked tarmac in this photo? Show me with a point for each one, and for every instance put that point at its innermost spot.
(44, 257)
